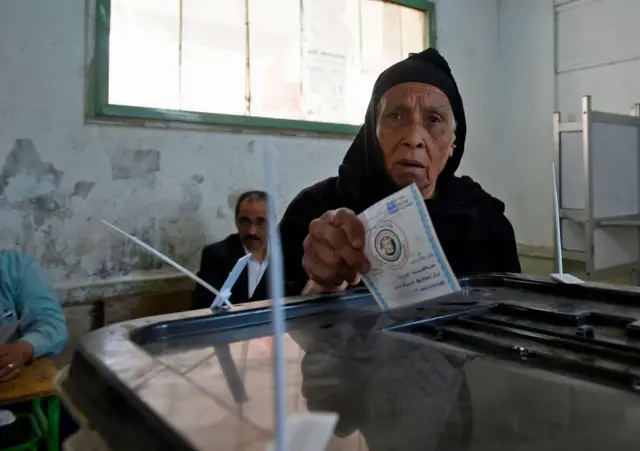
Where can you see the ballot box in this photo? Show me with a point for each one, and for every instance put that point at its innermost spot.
(507, 363)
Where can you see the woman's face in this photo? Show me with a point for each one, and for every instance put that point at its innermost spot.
(416, 132)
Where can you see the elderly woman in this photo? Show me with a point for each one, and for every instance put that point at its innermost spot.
(414, 132)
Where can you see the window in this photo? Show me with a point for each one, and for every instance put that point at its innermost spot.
(279, 64)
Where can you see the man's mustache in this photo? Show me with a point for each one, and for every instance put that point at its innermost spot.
(252, 237)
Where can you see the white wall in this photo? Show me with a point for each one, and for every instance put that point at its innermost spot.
(64, 175)
(525, 95)
(598, 55)
(594, 50)
(468, 38)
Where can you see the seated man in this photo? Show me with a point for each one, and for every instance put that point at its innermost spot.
(26, 295)
(219, 258)
(414, 132)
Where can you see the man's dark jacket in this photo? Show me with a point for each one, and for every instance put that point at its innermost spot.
(216, 263)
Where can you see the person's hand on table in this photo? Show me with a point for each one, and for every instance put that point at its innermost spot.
(13, 357)
(333, 252)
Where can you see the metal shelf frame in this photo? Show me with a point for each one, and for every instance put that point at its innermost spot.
(585, 215)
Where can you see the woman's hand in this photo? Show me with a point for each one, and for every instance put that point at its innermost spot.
(333, 250)
(315, 288)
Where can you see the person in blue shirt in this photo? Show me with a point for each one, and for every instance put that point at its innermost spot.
(27, 295)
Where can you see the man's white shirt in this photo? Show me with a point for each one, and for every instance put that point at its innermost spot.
(256, 270)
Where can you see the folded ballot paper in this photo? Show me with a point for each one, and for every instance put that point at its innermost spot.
(407, 261)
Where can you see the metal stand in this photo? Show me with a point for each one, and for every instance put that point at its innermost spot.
(597, 218)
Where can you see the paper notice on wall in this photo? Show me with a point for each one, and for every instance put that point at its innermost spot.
(328, 51)
(407, 261)
(324, 83)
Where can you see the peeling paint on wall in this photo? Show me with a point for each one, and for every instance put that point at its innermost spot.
(32, 187)
(61, 225)
(122, 256)
(136, 164)
(49, 214)
(83, 188)
(221, 213)
(24, 161)
(192, 197)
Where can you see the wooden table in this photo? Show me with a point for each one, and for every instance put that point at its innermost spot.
(36, 381)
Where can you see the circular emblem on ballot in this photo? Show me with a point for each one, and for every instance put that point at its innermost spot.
(390, 244)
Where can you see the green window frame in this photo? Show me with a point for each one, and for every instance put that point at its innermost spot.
(98, 106)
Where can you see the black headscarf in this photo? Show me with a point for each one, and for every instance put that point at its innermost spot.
(364, 161)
